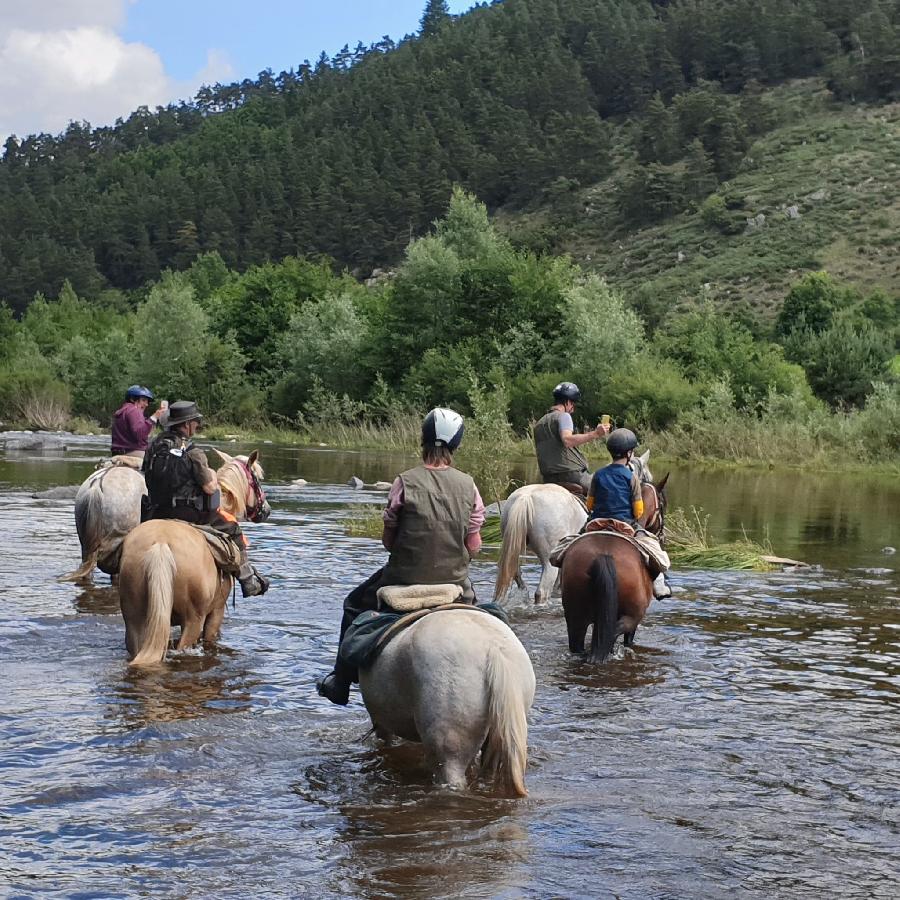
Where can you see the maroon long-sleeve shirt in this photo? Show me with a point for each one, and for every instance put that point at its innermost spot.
(130, 429)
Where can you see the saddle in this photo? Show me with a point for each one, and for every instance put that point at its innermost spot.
(372, 630)
(224, 551)
(655, 558)
(130, 462)
(572, 488)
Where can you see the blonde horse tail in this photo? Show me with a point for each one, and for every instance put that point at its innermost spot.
(159, 577)
(515, 538)
(505, 750)
(89, 525)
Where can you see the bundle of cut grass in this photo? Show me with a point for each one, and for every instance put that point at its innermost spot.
(688, 544)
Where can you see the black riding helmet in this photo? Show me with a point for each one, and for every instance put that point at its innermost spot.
(620, 442)
(565, 390)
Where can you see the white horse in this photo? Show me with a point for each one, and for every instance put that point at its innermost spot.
(107, 507)
(458, 681)
(536, 517)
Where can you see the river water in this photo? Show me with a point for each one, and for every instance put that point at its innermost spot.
(748, 746)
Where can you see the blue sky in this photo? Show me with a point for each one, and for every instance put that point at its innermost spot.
(97, 60)
(275, 34)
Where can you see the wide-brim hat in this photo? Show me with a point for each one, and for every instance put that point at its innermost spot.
(182, 411)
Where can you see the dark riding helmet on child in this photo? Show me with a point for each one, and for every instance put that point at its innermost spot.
(443, 428)
(620, 442)
(137, 391)
(565, 390)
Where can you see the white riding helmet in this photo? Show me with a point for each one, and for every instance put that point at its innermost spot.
(443, 428)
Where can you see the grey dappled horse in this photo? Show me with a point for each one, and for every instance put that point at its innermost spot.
(459, 682)
(536, 517)
(107, 507)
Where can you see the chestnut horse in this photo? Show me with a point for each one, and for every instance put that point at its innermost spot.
(605, 582)
(168, 576)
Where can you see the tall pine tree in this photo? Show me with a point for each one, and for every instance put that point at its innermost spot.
(436, 15)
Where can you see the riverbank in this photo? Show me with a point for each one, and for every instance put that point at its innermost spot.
(834, 442)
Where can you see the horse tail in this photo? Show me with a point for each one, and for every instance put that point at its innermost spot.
(505, 749)
(159, 576)
(515, 537)
(605, 591)
(89, 525)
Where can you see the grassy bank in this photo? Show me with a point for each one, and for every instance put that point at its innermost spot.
(688, 540)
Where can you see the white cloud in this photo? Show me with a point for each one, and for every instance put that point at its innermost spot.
(62, 60)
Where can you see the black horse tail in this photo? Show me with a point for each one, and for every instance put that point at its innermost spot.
(605, 589)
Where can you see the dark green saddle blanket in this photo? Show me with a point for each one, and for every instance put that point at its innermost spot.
(372, 630)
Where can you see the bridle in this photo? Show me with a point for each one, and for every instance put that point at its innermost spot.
(259, 497)
(656, 523)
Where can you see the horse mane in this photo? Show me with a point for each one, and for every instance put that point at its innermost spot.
(235, 485)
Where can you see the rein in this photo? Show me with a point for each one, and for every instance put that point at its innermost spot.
(656, 522)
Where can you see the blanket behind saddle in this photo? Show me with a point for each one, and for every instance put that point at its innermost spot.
(371, 631)
(224, 552)
(657, 561)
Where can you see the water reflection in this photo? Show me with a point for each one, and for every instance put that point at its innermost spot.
(98, 600)
(190, 685)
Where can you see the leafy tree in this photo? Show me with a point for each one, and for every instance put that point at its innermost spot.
(812, 303)
(844, 361)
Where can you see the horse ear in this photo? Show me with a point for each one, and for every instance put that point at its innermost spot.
(661, 486)
(223, 455)
(644, 457)
(252, 458)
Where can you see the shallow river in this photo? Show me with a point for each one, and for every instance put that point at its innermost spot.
(749, 746)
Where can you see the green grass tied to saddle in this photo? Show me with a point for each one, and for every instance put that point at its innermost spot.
(372, 630)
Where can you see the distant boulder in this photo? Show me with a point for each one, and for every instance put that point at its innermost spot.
(64, 492)
(356, 483)
(35, 442)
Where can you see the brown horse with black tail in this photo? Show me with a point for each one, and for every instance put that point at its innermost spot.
(606, 583)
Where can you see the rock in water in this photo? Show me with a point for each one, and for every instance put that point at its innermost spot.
(37, 442)
(356, 483)
(64, 492)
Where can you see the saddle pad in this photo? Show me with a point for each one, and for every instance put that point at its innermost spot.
(224, 551)
(558, 555)
(412, 597)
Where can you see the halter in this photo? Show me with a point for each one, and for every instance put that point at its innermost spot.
(258, 495)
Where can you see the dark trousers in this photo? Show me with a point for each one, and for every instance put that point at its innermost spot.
(361, 598)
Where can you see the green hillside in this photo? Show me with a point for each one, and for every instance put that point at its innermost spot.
(837, 163)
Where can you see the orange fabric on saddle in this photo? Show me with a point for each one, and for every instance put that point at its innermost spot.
(610, 525)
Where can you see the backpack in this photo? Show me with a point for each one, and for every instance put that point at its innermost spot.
(168, 472)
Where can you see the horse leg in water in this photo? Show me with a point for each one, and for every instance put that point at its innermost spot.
(629, 638)
(213, 625)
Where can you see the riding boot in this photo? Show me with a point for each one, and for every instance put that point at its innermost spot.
(252, 583)
(335, 686)
(661, 589)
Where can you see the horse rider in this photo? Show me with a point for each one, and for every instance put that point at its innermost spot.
(556, 443)
(181, 485)
(130, 425)
(615, 493)
(432, 528)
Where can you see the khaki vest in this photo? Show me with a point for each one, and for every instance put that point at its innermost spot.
(429, 547)
(553, 456)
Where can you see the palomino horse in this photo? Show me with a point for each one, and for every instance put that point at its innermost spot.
(167, 574)
(605, 582)
(458, 681)
(107, 507)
